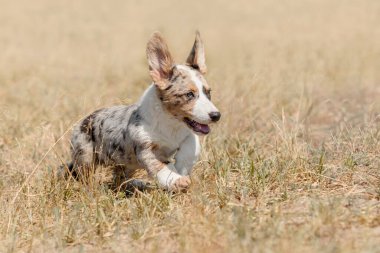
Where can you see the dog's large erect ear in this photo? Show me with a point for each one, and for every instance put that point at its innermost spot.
(159, 59)
(196, 58)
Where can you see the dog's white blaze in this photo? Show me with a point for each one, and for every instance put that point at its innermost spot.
(203, 106)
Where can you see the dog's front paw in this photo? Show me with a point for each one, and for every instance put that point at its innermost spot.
(181, 184)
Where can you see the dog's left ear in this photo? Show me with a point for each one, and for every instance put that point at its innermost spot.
(196, 58)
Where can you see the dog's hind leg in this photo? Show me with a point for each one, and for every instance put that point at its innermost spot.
(137, 185)
(65, 170)
(123, 181)
(83, 154)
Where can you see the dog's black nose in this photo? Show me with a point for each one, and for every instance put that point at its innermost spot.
(214, 116)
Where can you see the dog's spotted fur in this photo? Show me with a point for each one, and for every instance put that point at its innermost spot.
(174, 97)
(151, 134)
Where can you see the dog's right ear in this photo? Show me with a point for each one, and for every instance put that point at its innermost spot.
(159, 59)
(196, 58)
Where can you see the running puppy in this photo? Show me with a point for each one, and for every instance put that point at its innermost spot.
(163, 125)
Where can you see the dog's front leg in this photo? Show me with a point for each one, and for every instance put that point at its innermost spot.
(187, 155)
(165, 174)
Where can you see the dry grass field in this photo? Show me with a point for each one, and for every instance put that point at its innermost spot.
(293, 165)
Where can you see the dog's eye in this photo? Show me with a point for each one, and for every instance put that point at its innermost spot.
(190, 95)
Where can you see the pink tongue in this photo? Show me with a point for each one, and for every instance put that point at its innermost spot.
(202, 128)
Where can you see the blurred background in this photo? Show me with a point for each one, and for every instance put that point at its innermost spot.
(61, 59)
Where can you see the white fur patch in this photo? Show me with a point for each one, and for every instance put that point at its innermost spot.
(159, 126)
(187, 155)
(167, 176)
(203, 106)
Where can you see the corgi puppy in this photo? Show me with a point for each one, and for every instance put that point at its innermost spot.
(161, 132)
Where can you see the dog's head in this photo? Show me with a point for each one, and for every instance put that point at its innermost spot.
(182, 88)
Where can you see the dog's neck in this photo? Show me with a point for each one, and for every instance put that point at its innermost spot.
(161, 121)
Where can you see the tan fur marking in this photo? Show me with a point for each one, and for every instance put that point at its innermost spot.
(152, 146)
(175, 100)
(160, 166)
(154, 149)
(193, 87)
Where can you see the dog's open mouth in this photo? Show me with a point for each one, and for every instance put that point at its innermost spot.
(197, 127)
